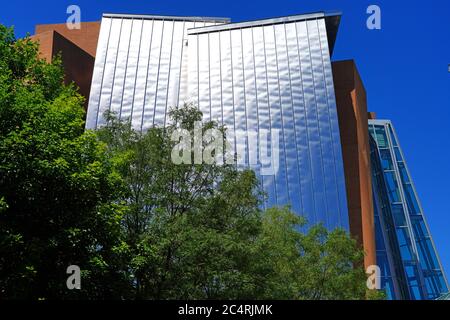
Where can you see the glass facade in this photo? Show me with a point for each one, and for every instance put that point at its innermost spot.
(400, 221)
(255, 77)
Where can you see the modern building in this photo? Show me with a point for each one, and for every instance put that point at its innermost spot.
(256, 76)
(270, 75)
(405, 249)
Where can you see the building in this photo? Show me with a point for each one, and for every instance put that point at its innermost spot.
(405, 249)
(256, 76)
(270, 75)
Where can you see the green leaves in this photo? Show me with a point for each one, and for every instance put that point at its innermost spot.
(56, 183)
(196, 231)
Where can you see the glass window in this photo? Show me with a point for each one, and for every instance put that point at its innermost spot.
(420, 230)
(430, 285)
(431, 254)
(415, 292)
(380, 135)
(425, 261)
(398, 155)
(386, 159)
(413, 206)
(404, 242)
(443, 286)
(391, 132)
(372, 132)
(388, 286)
(391, 182)
(383, 263)
(399, 215)
(403, 172)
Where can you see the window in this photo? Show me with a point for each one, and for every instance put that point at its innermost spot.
(381, 137)
(391, 182)
(398, 154)
(386, 159)
(413, 206)
(399, 215)
(391, 132)
(404, 242)
(403, 172)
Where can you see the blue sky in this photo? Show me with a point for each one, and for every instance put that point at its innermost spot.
(404, 67)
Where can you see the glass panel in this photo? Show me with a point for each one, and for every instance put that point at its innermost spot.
(399, 215)
(379, 240)
(383, 263)
(431, 254)
(403, 172)
(442, 284)
(398, 155)
(391, 182)
(388, 286)
(420, 230)
(415, 292)
(413, 206)
(372, 132)
(386, 159)
(394, 141)
(404, 243)
(381, 138)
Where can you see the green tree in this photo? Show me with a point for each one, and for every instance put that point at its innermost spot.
(196, 231)
(314, 265)
(190, 228)
(56, 184)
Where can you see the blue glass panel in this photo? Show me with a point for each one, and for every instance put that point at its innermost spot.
(415, 292)
(398, 155)
(431, 253)
(372, 132)
(383, 263)
(420, 230)
(442, 284)
(394, 141)
(388, 286)
(386, 159)
(379, 236)
(392, 186)
(399, 215)
(403, 172)
(404, 242)
(380, 135)
(413, 206)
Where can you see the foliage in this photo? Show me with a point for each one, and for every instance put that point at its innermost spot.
(55, 181)
(196, 231)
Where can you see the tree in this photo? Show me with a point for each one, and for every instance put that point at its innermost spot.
(190, 228)
(196, 231)
(315, 265)
(56, 184)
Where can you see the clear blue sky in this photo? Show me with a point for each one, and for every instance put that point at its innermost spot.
(403, 66)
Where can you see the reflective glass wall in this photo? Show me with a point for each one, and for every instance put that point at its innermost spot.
(422, 269)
